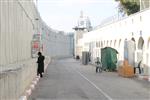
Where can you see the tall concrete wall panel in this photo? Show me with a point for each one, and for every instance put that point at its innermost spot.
(13, 82)
(17, 25)
(19, 20)
(55, 43)
(16, 30)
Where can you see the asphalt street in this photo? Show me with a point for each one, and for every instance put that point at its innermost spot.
(68, 79)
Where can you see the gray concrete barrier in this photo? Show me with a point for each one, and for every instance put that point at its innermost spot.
(13, 82)
(16, 79)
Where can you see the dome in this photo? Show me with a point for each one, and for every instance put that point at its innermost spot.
(84, 22)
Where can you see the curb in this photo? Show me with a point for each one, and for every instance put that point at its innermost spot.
(147, 78)
(29, 90)
(34, 82)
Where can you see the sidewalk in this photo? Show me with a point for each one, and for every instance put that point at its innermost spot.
(143, 80)
(34, 82)
(138, 76)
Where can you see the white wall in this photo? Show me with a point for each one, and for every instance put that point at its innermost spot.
(134, 26)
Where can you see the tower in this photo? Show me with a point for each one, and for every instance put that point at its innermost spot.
(83, 26)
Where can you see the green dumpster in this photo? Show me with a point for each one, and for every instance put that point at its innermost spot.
(109, 58)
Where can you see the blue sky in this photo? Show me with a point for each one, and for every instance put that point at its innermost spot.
(63, 14)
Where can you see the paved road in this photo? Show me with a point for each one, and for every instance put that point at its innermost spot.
(68, 79)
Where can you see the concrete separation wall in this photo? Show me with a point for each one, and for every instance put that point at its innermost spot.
(32, 84)
(15, 82)
(17, 26)
(19, 22)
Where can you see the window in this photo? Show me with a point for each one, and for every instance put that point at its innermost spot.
(132, 21)
(148, 43)
(140, 43)
(110, 42)
(119, 43)
(115, 43)
(140, 18)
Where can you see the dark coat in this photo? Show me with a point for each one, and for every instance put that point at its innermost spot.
(40, 62)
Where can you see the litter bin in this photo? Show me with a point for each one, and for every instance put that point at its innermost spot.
(85, 58)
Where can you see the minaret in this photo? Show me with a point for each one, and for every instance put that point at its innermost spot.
(83, 26)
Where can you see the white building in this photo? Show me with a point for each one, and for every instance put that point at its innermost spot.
(83, 26)
(134, 27)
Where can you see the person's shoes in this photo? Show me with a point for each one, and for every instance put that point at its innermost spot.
(41, 76)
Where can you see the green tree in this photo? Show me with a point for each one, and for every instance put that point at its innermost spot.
(129, 6)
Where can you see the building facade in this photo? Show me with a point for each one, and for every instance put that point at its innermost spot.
(134, 29)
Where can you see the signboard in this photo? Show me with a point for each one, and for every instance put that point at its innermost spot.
(35, 48)
(36, 36)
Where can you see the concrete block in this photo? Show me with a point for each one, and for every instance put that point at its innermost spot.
(11, 85)
(5, 87)
(2, 86)
(145, 70)
(17, 78)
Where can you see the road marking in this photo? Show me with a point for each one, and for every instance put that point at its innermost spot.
(100, 90)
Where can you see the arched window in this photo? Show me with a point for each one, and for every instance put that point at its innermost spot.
(102, 44)
(110, 43)
(140, 43)
(119, 43)
(99, 44)
(107, 42)
(148, 43)
(133, 39)
(115, 43)
(132, 21)
(140, 18)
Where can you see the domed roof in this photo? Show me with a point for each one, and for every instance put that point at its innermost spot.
(84, 22)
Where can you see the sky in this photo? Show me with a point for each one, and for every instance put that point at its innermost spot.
(63, 15)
